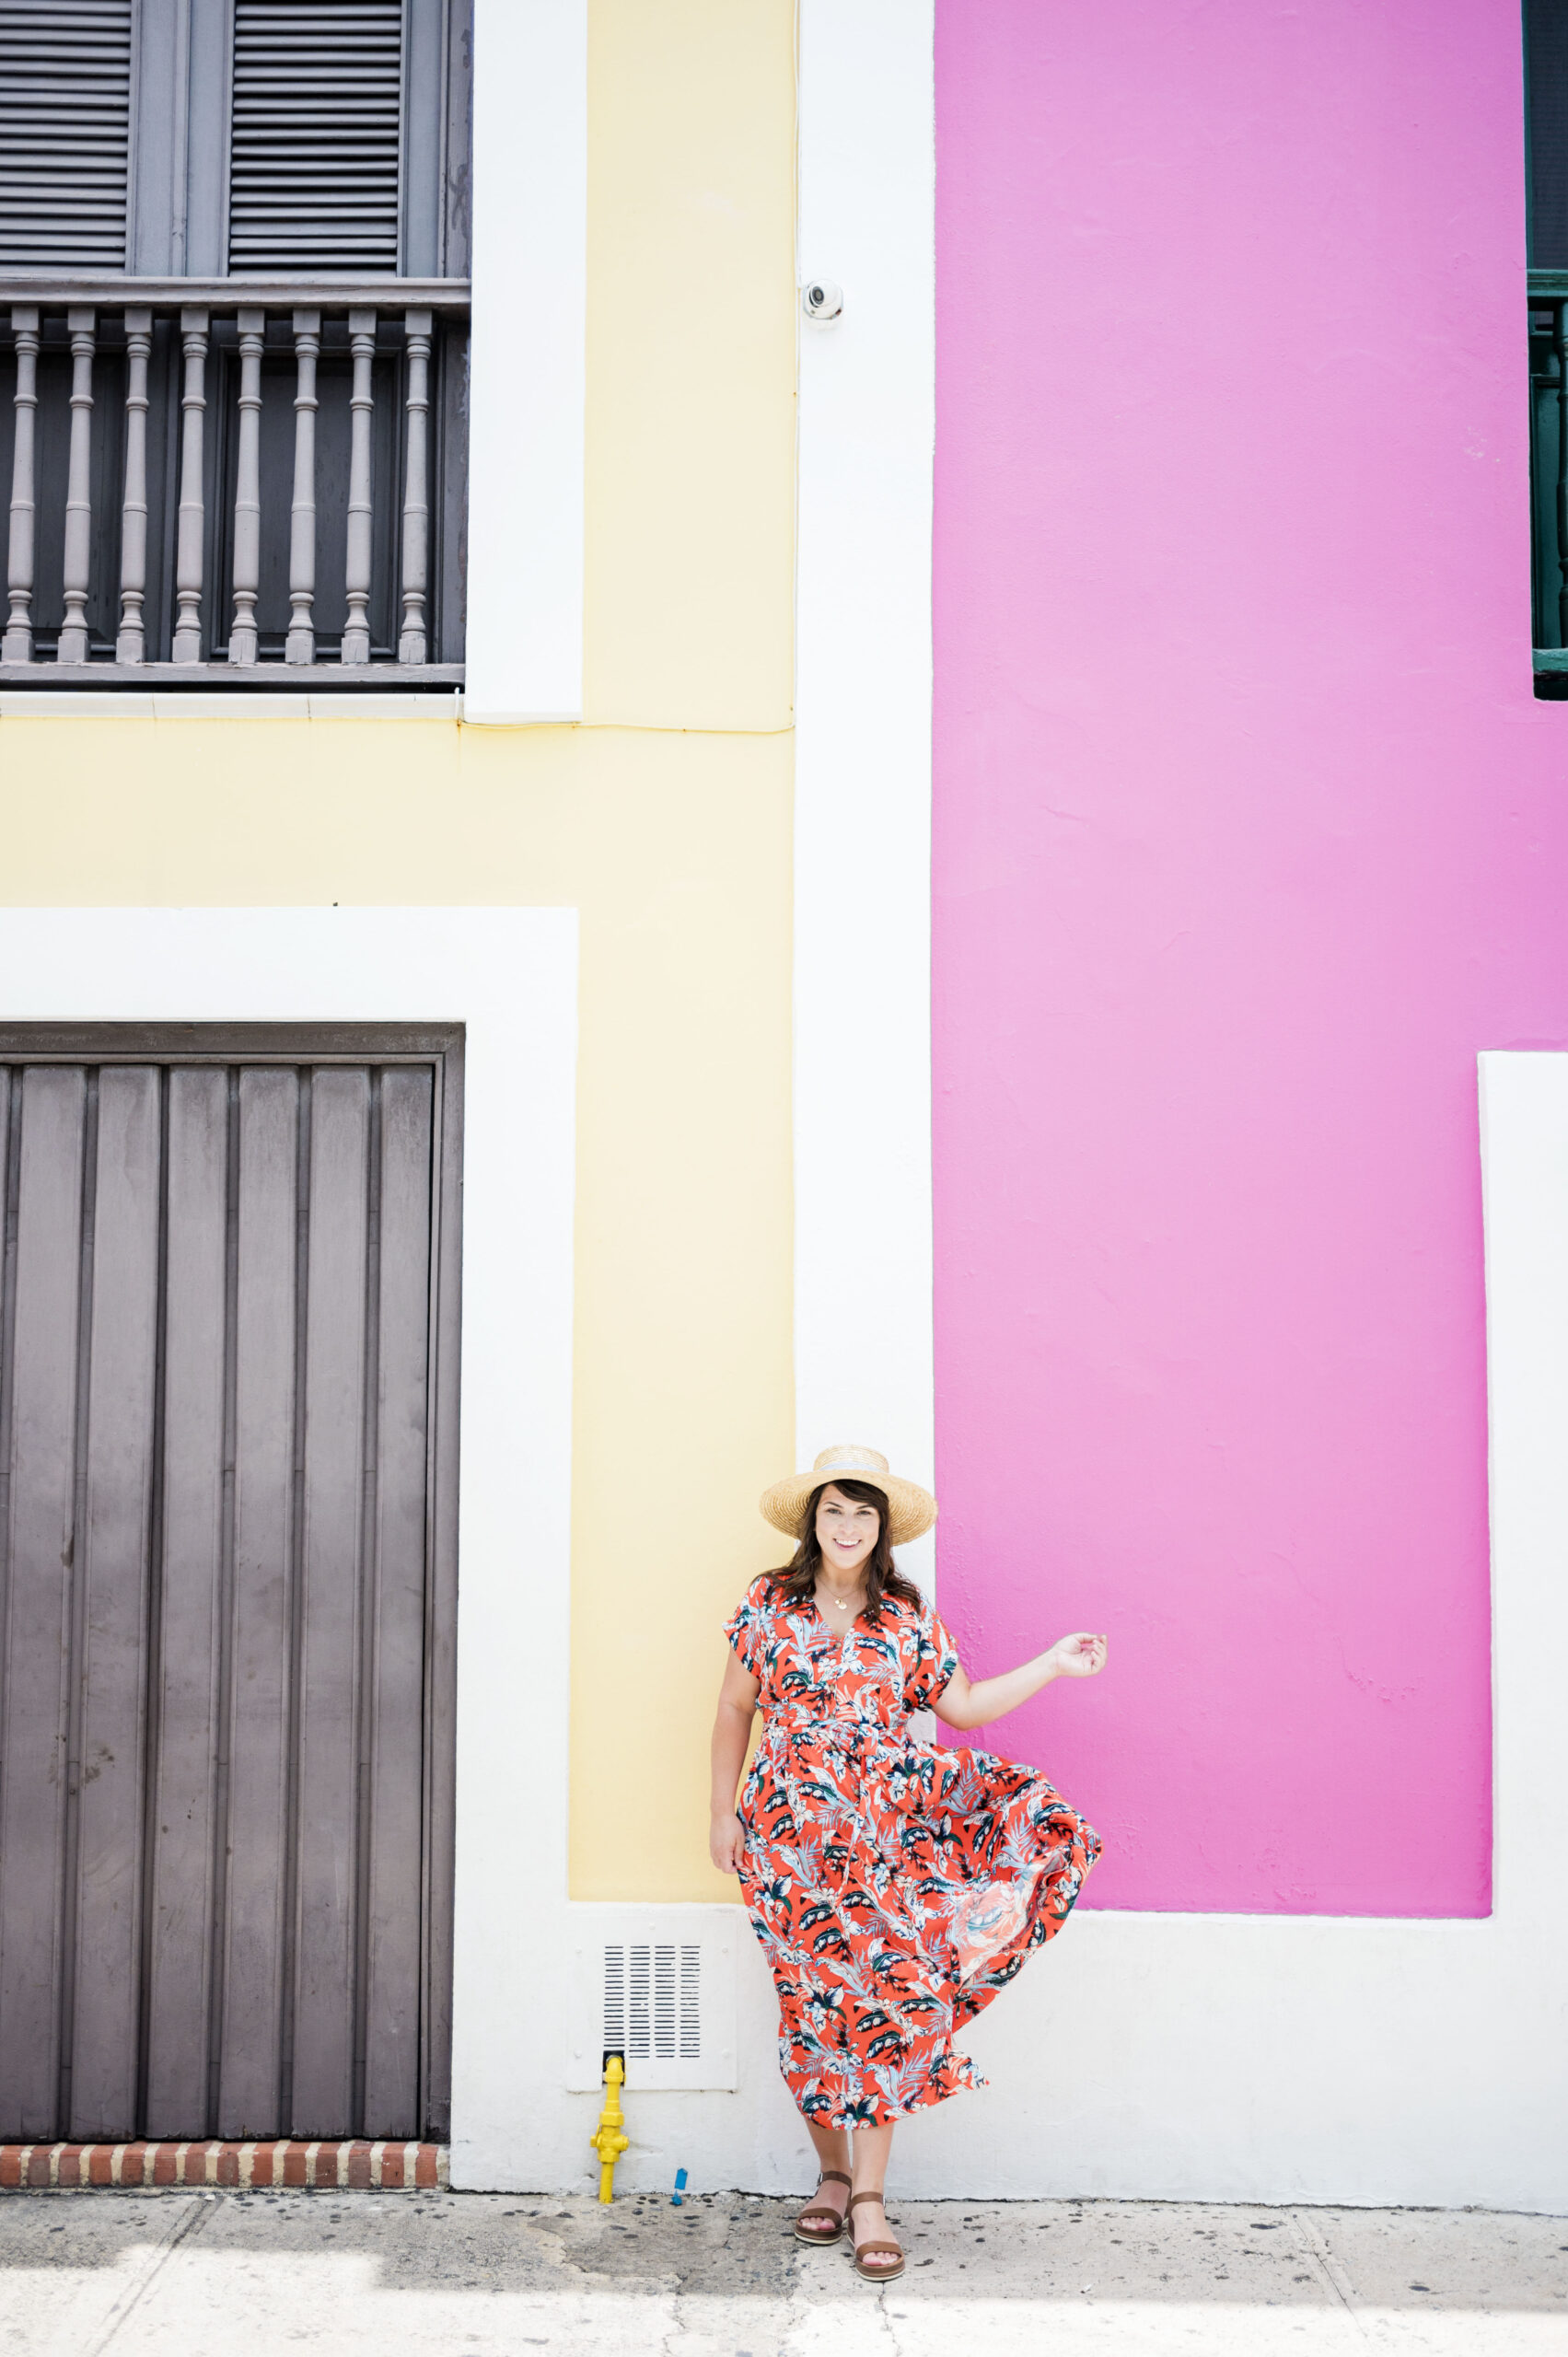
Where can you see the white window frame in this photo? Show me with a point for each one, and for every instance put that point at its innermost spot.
(528, 380)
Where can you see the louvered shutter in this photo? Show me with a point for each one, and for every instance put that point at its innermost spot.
(65, 133)
(317, 134)
(1545, 107)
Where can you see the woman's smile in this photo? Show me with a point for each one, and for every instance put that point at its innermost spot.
(846, 1529)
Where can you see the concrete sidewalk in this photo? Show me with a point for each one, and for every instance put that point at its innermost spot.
(491, 2275)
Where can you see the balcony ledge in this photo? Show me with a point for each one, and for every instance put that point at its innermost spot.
(303, 679)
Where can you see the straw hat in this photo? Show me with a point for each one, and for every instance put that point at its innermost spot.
(911, 1509)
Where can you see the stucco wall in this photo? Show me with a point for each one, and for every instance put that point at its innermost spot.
(1249, 835)
(664, 820)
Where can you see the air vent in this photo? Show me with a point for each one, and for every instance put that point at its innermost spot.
(317, 136)
(653, 2001)
(65, 133)
(656, 1986)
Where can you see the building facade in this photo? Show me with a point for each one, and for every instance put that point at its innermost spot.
(717, 873)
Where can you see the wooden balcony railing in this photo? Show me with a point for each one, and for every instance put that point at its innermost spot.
(213, 483)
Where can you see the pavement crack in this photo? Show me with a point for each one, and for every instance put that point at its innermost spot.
(885, 2313)
(1330, 2270)
(677, 2328)
(184, 2228)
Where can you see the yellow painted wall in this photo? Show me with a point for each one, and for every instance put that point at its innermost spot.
(666, 820)
(691, 409)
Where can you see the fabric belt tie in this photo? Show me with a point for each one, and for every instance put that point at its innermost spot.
(908, 1777)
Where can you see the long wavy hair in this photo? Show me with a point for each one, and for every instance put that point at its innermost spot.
(795, 1582)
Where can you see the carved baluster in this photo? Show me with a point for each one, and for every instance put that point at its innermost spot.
(72, 646)
(248, 491)
(193, 516)
(131, 645)
(356, 630)
(416, 501)
(300, 645)
(17, 645)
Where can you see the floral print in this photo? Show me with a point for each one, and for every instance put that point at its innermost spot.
(895, 1887)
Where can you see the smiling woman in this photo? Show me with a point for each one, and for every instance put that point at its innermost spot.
(895, 1887)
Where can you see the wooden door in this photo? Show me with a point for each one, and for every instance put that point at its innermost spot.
(227, 1513)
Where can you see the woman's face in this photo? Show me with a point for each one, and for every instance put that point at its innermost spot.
(846, 1531)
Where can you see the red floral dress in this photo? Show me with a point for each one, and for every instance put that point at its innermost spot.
(895, 1887)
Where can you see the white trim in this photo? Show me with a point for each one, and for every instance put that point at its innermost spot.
(863, 1334)
(510, 976)
(1284, 2057)
(524, 653)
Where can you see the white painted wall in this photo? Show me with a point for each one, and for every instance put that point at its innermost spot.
(527, 390)
(863, 748)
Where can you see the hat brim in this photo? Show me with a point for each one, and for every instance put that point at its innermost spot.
(910, 1510)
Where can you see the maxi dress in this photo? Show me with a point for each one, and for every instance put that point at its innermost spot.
(895, 1886)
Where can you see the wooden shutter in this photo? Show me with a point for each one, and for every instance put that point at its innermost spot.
(314, 178)
(64, 133)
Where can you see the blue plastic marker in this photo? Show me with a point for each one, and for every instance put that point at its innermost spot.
(680, 2188)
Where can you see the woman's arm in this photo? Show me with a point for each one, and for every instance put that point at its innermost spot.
(959, 1704)
(732, 1730)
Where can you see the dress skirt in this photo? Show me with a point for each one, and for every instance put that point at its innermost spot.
(895, 1886)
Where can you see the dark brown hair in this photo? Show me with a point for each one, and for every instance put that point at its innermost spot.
(796, 1581)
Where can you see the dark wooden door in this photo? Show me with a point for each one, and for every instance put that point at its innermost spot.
(227, 1493)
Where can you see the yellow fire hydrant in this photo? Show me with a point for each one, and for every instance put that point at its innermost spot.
(609, 2139)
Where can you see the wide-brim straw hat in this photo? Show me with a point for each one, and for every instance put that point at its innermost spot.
(911, 1509)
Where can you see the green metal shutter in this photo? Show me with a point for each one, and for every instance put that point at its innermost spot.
(65, 133)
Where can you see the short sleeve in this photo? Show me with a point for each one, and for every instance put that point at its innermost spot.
(749, 1628)
(932, 1658)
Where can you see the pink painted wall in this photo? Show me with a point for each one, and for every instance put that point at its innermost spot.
(1248, 835)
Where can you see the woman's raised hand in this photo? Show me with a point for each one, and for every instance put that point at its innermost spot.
(1078, 1656)
(726, 1840)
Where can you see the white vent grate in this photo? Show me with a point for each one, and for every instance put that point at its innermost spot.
(317, 134)
(655, 1984)
(653, 2001)
(65, 133)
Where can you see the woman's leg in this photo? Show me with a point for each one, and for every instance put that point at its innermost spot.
(869, 2169)
(832, 2153)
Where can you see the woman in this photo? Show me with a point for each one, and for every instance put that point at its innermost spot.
(895, 1887)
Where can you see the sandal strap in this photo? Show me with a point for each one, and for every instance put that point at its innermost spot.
(833, 2177)
(862, 2197)
(836, 2215)
(861, 2248)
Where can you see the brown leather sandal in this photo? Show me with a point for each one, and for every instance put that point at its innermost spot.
(862, 2250)
(804, 2231)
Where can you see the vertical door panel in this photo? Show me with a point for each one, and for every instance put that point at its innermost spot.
(112, 1562)
(335, 1452)
(185, 1669)
(258, 1698)
(43, 1466)
(390, 1944)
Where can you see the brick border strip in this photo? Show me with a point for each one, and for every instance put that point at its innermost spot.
(359, 2166)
